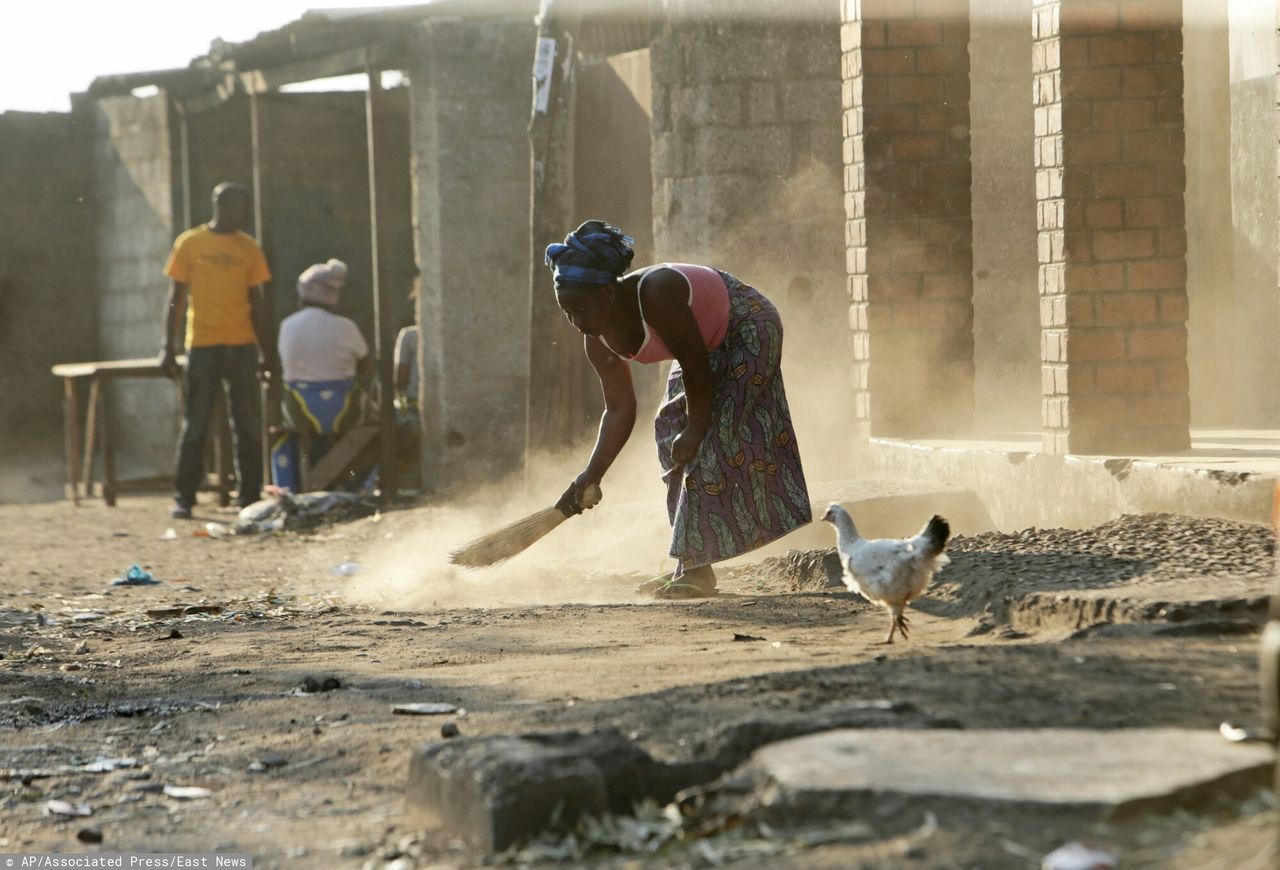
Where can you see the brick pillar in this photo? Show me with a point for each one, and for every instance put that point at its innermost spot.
(1112, 244)
(908, 232)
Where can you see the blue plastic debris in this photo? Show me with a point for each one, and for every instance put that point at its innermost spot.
(135, 576)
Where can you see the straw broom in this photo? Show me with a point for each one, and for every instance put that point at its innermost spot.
(509, 540)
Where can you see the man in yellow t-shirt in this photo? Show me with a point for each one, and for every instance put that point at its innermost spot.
(218, 271)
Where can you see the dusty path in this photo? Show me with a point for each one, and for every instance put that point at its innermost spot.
(202, 708)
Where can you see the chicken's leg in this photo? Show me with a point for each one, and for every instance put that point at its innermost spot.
(894, 616)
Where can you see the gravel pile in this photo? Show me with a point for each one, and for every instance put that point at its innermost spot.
(993, 572)
(988, 568)
(1191, 544)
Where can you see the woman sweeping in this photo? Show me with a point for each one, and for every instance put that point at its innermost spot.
(724, 434)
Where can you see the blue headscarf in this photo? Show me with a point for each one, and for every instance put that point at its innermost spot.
(594, 253)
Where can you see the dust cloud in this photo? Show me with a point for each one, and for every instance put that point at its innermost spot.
(803, 273)
(597, 557)
(600, 556)
(29, 478)
(812, 297)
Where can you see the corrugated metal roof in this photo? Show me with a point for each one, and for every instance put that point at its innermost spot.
(605, 35)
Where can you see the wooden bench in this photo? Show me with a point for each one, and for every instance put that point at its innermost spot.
(346, 452)
(97, 429)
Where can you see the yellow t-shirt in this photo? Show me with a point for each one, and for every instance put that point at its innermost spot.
(218, 269)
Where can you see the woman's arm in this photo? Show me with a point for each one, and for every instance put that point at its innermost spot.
(664, 297)
(406, 347)
(616, 423)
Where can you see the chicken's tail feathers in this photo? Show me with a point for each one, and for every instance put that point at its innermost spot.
(934, 535)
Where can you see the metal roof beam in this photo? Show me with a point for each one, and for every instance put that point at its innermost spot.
(341, 63)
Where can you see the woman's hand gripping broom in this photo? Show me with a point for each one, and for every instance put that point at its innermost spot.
(509, 540)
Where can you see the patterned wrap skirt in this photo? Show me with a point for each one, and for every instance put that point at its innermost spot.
(745, 488)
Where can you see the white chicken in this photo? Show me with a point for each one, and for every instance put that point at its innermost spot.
(890, 572)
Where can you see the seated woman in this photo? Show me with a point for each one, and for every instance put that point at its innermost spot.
(408, 418)
(407, 379)
(725, 441)
(321, 354)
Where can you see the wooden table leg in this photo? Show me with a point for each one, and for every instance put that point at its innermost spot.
(71, 411)
(214, 454)
(264, 432)
(90, 429)
(223, 461)
(304, 459)
(108, 448)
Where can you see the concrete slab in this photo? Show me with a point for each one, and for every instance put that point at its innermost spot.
(1227, 473)
(1098, 773)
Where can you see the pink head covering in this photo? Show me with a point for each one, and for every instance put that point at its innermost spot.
(321, 283)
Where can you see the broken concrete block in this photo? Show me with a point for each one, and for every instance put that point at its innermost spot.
(498, 791)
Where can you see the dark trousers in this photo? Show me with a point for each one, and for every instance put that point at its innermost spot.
(208, 369)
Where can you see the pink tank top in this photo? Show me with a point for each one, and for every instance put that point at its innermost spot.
(709, 299)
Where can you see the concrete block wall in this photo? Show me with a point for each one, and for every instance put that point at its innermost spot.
(134, 168)
(909, 232)
(220, 148)
(746, 147)
(746, 177)
(1112, 243)
(47, 304)
(469, 120)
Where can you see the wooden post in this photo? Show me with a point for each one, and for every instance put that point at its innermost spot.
(264, 423)
(255, 145)
(184, 156)
(72, 411)
(383, 321)
(90, 433)
(556, 361)
(108, 447)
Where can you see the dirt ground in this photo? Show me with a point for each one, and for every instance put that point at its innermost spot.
(211, 696)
